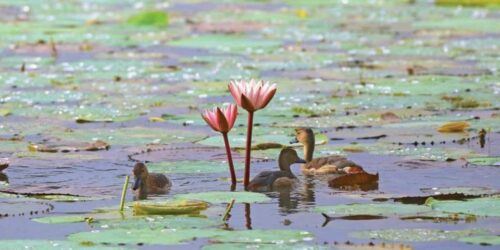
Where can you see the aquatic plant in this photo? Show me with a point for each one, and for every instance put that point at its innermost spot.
(252, 96)
(222, 120)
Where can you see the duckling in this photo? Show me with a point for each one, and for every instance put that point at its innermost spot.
(284, 178)
(333, 164)
(146, 183)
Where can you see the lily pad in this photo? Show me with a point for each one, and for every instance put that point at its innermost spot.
(149, 18)
(143, 235)
(264, 236)
(488, 206)
(381, 209)
(48, 245)
(416, 234)
(259, 141)
(60, 219)
(225, 197)
(166, 208)
(194, 167)
(460, 190)
(485, 161)
(482, 239)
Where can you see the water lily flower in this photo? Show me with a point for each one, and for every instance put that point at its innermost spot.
(251, 95)
(222, 120)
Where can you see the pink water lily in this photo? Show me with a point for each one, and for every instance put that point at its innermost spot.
(251, 95)
(222, 120)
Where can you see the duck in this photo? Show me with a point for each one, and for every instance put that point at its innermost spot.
(275, 180)
(332, 164)
(149, 183)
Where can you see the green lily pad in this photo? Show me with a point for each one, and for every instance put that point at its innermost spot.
(23, 207)
(225, 246)
(482, 239)
(142, 235)
(60, 219)
(381, 209)
(225, 197)
(485, 161)
(415, 234)
(460, 190)
(149, 18)
(264, 236)
(195, 167)
(130, 136)
(158, 222)
(259, 141)
(226, 43)
(49, 245)
(488, 206)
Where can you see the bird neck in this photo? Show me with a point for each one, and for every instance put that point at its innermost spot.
(143, 188)
(309, 150)
(284, 165)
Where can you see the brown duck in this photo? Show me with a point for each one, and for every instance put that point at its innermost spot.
(149, 183)
(282, 179)
(333, 164)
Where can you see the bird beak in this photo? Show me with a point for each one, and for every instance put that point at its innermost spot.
(137, 183)
(299, 160)
(294, 141)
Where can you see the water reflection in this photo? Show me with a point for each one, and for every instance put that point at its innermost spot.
(248, 218)
(4, 178)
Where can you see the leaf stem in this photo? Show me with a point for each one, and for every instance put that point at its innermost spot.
(124, 193)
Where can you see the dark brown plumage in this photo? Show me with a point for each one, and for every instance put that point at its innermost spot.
(284, 178)
(333, 164)
(149, 183)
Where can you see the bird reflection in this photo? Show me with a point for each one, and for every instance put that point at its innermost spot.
(4, 178)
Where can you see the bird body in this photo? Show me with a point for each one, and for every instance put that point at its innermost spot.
(333, 164)
(284, 178)
(149, 183)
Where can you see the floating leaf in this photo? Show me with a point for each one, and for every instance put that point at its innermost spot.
(459, 190)
(484, 240)
(166, 208)
(488, 206)
(264, 236)
(61, 219)
(485, 161)
(149, 18)
(195, 167)
(94, 146)
(135, 236)
(225, 197)
(453, 127)
(415, 234)
(381, 209)
(48, 245)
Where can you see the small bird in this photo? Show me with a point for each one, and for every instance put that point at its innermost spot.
(333, 164)
(146, 183)
(284, 178)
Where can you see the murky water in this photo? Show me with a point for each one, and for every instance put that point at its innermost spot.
(339, 68)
